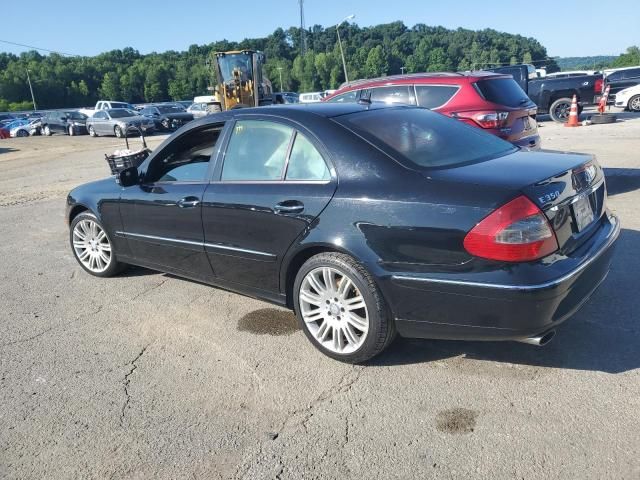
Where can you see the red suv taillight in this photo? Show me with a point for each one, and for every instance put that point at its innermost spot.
(598, 86)
(516, 232)
(485, 119)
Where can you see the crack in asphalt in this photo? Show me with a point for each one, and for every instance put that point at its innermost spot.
(78, 318)
(344, 386)
(127, 381)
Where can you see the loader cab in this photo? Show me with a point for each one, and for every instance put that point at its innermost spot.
(241, 81)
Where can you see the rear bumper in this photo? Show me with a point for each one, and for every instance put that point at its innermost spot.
(531, 142)
(461, 307)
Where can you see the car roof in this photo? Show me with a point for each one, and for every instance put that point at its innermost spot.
(430, 77)
(327, 110)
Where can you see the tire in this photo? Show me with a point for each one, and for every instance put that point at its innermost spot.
(634, 104)
(602, 118)
(71, 131)
(357, 326)
(92, 132)
(88, 237)
(46, 130)
(22, 133)
(166, 124)
(118, 131)
(559, 110)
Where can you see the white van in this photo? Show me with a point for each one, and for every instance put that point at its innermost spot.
(310, 97)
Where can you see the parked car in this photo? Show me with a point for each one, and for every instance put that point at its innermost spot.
(310, 97)
(434, 230)
(280, 98)
(115, 121)
(621, 79)
(489, 101)
(629, 98)
(6, 118)
(554, 95)
(167, 117)
(70, 122)
(185, 103)
(25, 127)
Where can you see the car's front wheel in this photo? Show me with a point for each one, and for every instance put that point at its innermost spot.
(118, 131)
(634, 103)
(22, 133)
(341, 309)
(92, 131)
(92, 247)
(560, 109)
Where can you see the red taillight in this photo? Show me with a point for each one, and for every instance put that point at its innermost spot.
(515, 232)
(598, 86)
(485, 119)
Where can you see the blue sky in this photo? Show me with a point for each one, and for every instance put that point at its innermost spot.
(565, 27)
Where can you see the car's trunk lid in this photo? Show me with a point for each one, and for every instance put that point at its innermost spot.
(568, 188)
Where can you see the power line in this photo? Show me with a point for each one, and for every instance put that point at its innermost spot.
(41, 49)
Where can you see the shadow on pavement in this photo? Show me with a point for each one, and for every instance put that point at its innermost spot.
(7, 150)
(603, 336)
(622, 180)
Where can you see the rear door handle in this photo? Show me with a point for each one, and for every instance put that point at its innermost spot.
(189, 202)
(289, 207)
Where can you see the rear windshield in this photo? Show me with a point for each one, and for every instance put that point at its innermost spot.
(121, 113)
(424, 138)
(504, 91)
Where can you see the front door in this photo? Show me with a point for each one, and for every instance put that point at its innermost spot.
(162, 217)
(271, 186)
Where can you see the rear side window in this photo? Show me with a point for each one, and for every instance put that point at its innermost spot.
(257, 151)
(305, 162)
(633, 73)
(425, 139)
(503, 91)
(434, 96)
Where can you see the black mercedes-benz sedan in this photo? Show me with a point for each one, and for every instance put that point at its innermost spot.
(366, 220)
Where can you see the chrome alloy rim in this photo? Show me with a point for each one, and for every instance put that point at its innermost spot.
(91, 246)
(334, 310)
(635, 104)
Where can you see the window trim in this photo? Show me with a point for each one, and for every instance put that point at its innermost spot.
(416, 85)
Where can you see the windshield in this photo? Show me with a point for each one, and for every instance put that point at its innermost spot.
(169, 109)
(122, 113)
(424, 138)
(235, 65)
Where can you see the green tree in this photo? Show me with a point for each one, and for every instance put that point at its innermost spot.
(110, 88)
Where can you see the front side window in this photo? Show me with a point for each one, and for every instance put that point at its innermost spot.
(186, 159)
(305, 162)
(349, 97)
(257, 151)
(434, 96)
(399, 94)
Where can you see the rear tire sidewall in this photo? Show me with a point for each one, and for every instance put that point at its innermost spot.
(555, 106)
(114, 267)
(634, 104)
(380, 325)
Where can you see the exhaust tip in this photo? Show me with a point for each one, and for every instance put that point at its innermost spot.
(539, 340)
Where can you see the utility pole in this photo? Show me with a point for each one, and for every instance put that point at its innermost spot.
(402, 69)
(33, 98)
(303, 36)
(280, 73)
(344, 63)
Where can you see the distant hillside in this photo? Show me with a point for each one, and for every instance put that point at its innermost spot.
(585, 63)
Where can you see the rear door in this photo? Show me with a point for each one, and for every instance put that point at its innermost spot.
(274, 180)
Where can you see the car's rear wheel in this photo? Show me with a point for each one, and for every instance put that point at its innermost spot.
(341, 309)
(634, 104)
(47, 130)
(92, 246)
(92, 131)
(560, 109)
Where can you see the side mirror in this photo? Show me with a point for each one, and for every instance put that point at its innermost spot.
(128, 177)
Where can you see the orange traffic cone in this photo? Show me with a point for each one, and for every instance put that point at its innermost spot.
(573, 114)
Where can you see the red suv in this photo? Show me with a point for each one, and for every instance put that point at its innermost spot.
(490, 101)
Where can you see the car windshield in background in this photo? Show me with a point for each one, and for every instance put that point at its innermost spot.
(121, 113)
(425, 139)
(169, 109)
(76, 116)
(504, 91)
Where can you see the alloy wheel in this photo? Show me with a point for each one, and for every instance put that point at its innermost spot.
(562, 111)
(334, 310)
(634, 104)
(91, 245)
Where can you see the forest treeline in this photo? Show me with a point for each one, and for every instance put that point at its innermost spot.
(71, 81)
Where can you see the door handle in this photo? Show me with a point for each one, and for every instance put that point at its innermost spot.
(289, 207)
(189, 202)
